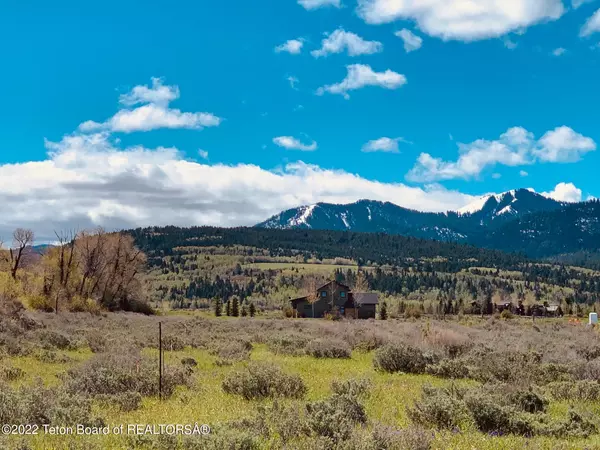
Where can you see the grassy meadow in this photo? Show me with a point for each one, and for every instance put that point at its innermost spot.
(64, 355)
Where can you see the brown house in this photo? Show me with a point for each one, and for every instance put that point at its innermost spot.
(337, 298)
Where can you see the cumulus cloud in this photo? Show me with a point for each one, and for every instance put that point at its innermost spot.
(565, 192)
(592, 25)
(87, 181)
(516, 147)
(384, 144)
(293, 46)
(291, 143)
(412, 42)
(559, 51)
(340, 41)
(153, 113)
(563, 145)
(360, 76)
(314, 4)
(203, 154)
(463, 20)
(577, 3)
(523, 173)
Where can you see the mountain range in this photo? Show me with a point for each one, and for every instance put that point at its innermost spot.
(517, 220)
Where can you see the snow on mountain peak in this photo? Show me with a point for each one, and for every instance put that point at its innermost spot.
(475, 206)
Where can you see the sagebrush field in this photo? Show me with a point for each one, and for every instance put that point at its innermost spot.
(301, 383)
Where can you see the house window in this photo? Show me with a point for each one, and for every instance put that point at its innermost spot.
(342, 294)
(323, 294)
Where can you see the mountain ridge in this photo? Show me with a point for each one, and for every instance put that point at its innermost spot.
(486, 222)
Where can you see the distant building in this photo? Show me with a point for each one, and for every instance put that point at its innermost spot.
(337, 298)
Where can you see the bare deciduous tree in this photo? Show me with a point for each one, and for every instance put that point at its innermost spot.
(312, 295)
(361, 285)
(22, 239)
(94, 266)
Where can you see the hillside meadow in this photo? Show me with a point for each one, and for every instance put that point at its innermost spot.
(301, 383)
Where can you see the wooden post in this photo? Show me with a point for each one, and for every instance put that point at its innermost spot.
(160, 360)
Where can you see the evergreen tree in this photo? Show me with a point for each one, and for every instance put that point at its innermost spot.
(218, 307)
(244, 312)
(235, 307)
(252, 309)
(383, 311)
(228, 308)
(401, 308)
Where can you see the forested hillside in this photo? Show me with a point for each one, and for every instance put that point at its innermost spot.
(191, 266)
(365, 248)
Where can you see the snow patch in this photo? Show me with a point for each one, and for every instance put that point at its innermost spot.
(345, 219)
(475, 206)
(303, 217)
(505, 210)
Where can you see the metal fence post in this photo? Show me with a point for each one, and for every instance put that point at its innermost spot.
(160, 360)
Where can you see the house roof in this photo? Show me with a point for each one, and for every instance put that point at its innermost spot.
(299, 299)
(365, 298)
(339, 284)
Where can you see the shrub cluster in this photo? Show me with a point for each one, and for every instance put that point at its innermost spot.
(287, 344)
(263, 380)
(403, 358)
(335, 417)
(320, 348)
(123, 373)
(228, 353)
(355, 387)
(10, 373)
(501, 409)
(583, 390)
(36, 404)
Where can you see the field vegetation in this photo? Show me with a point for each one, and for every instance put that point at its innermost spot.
(438, 369)
(307, 384)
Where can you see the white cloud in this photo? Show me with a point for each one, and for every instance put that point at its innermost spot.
(565, 192)
(563, 145)
(293, 46)
(523, 173)
(496, 176)
(291, 143)
(203, 154)
(293, 82)
(158, 94)
(464, 20)
(384, 144)
(86, 181)
(361, 75)
(592, 25)
(314, 4)
(516, 147)
(412, 42)
(559, 51)
(153, 113)
(341, 40)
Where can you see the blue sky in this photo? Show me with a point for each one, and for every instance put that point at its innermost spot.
(245, 106)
